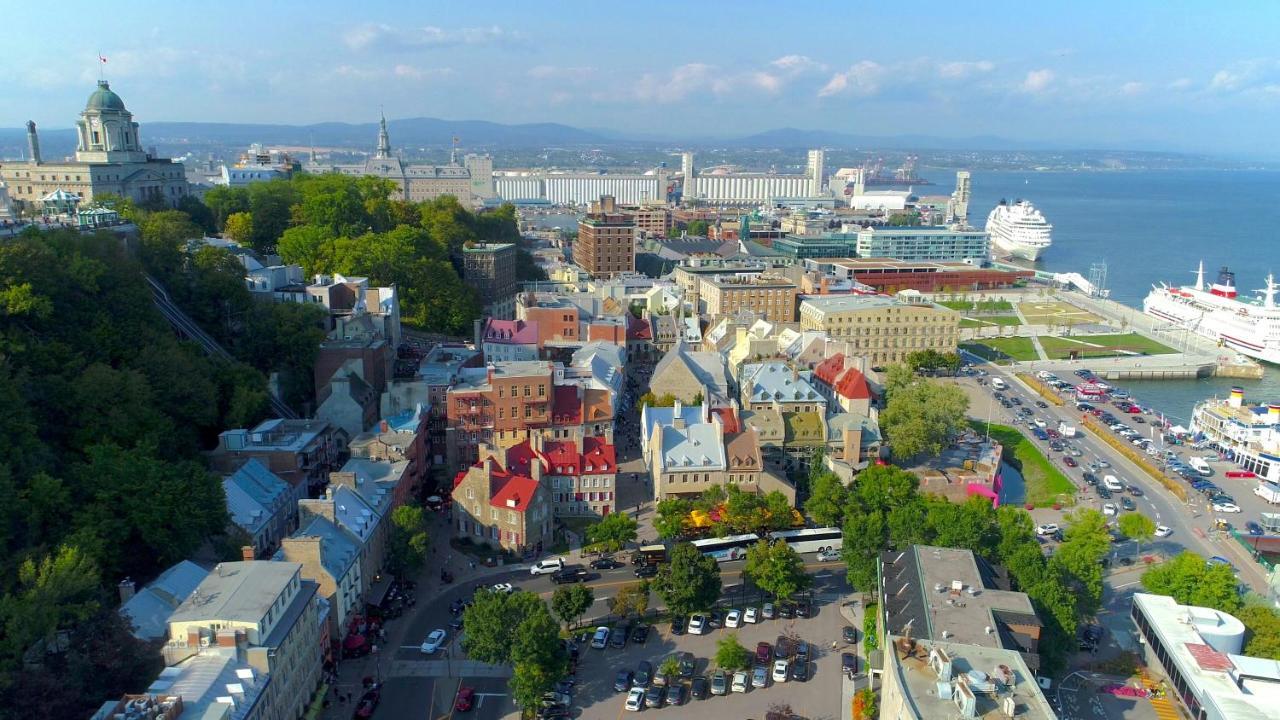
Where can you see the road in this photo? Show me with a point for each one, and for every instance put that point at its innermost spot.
(1190, 522)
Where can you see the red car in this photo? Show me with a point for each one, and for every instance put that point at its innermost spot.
(1070, 462)
(764, 653)
(466, 699)
(1053, 433)
(1133, 410)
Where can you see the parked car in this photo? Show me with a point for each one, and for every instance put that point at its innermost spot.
(678, 624)
(751, 615)
(781, 670)
(433, 642)
(1226, 507)
(605, 563)
(848, 634)
(1253, 528)
(800, 670)
(828, 555)
(675, 694)
(465, 699)
(768, 611)
(601, 638)
(1109, 509)
(741, 681)
(653, 696)
(849, 664)
(635, 700)
(697, 624)
(1163, 531)
(644, 674)
(760, 676)
(646, 571)
(719, 683)
(698, 688)
(688, 664)
(622, 681)
(733, 618)
(640, 634)
(618, 637)
(764, 653)
(1047, 529)
(546, 567)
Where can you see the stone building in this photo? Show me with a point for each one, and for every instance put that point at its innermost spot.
(109, 159)
(882, 329)
(498, 506)
(490, 268)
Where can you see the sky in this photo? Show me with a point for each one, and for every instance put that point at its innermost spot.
(1138, 74)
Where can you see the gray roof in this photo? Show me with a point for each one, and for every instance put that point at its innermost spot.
(252, 493)
(707, 367)
(775, 381)
(237, 591)
(338, 550)
(152, 606)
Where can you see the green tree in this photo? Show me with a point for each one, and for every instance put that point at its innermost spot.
(239, 227)
(689, 582)
(864, 538)
(1085, 543)
(527, 269)
(1138, 528)
(898, 377)
(697, 228)
(669, 668)
(827, 498)
(224, 201)
(309, 246)
(407, 541)
(883, 487)
(1190, 580)
(922, 419)
(777, 569)
(744, 512)
(670, 517)
(612, 532)
(1263, 624)
(570, 602)
(271, 205)
(163, 238)
(970, 525)
(199, 213)
(730, 655)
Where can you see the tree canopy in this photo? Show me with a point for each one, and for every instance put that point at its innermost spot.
(1190, 580)
(689, 582)
(777, 569)
(923, 417)
(612, 532)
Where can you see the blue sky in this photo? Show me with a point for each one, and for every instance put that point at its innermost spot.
(1197, 76)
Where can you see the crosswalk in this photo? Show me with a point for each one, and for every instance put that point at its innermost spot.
(1164, 707)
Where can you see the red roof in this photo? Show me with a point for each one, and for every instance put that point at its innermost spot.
(516, 488)
(728, 419)
(638, 328)
(828, 370)
(515, 332)
(562, 457)
(519, 456)
(853, 385)
(599, 455)
(566, 408)
(1208, 658)
(457, 479)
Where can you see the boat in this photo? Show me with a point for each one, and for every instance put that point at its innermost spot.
(1019, 230)
(1247, 435)
(1250, 326)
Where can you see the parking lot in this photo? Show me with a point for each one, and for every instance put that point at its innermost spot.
(818, 697)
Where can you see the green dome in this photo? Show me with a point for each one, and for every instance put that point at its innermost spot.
(104, 99)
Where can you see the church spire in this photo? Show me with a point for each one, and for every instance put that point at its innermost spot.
(384, 140)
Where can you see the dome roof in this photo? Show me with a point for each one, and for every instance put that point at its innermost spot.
(104, 98)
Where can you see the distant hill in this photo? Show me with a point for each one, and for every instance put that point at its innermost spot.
(797, 138)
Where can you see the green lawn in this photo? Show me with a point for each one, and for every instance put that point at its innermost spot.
(1010, 348)
(1103, 346)
(1046, 484)
(978, 305)
(989, 320)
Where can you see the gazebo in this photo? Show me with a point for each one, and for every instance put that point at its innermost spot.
(96, 217)
(59, 202)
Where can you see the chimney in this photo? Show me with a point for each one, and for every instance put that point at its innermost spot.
(247, 553)
(1273, 414)
(384, 426)
(536, 441)
(342, 479)
(128, 588)
(1237, 397)
(489, 373)
(33, 143)
(535, 470)
(309, 508)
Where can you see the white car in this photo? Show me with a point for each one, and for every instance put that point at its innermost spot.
(635, 699)
(1163, 531)
(767, 611)
(733, 618)
(600, 640)
(1109, 509)
(1046, 529)
(780, 670)
(741, 682)
(828, 555)
(752, 615)
(1041, 424)
(697, 624)
(1226, 507)
(546, 567)
(503, 588)
(433, 641)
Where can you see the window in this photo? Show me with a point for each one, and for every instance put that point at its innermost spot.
(542, 390)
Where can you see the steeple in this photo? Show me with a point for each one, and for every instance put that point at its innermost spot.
(384, 140)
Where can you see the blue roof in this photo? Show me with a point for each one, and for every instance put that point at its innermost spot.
(338, 550)
(252, 493)
(408, 420)
(152, 606)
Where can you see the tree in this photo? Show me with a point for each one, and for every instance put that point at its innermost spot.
(670, 517)
(970, 525)
(864, 538)
(865, 705)
(612, 532)
(669, 668)
(1263, 624)
(697, 228)
(239, 227)
(224, 201)
(898, 377)
(730, 655)
(163, 237)
(689, 582)
(407, 541)
(527, 269)
(1190, 580)
(777, 569)
(779, 515)
(570, 602)
(630, 599)
(883, 487)
(921, 419)
(744, 512)
(271, 204)
(1138, 528)
(827, 498)
(1085, 543)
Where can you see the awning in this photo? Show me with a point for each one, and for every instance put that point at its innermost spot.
(378, 593)
(353, 642)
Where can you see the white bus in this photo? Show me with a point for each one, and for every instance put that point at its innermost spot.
(810, 540)
(733, 547)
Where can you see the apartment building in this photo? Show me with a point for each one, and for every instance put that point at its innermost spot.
(768, 296)
(775, 385)
(651, 220)
(606, 240)
(299, 452)
(490, 268)
(260, 504)
(496, 405)
(881, 329)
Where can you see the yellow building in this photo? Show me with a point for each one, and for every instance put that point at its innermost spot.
(882, 329)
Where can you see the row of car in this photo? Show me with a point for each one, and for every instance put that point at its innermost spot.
(780, 662)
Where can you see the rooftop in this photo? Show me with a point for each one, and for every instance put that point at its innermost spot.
(443, 362)
(849, 303)
(237, 591)
(939, 678)
(804, 427)
(278, 434)
(486, 247)
(152, 606)
(208, 679)
(775, 381)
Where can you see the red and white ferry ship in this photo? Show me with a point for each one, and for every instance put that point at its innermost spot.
(1248, 326)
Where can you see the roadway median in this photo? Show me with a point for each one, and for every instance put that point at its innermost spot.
(1043, 390)
(1138, 458)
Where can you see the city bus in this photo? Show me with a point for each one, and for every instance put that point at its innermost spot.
(733, 547)
(809, 540)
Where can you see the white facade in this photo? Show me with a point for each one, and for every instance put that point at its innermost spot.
(816, 167)
(750, 188)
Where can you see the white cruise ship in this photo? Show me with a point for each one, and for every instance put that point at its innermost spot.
(1019, 230)
(1247, 435)
(1250, 327)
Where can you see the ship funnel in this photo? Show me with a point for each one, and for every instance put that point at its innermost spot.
(1237, 397)
(1273, 414)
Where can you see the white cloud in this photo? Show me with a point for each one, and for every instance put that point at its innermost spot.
(797, 64)
(684, 81)
(1226, 80)
(862, 79)
(1038, 81)
(767, 82)
(375, 35)
(416, 73)
(1181, 84)
(960, 69)
(557, 72)
(1132, 88)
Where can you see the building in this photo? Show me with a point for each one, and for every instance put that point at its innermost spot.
(881, 329)
(580, 472)
(496, 505)
(496, 405)
(690, 374)
(141, 707)
(651, 220)
(831, 244)
(1249, 433)
(841, 381)
(1198, 651)
(330, 557)
(720, 187)
(299, 452)
(109, 159)
(401, 437)
(437, 373)
(490, 268)
(774, 385)
(415, 182)
(349, 297)
(606, 240)
(257, 615)
(358, 339)
(508, 340)
(260, 504)
(148, 610)
(937, 593)
(958, 206)
(768, 296)
(347, 402)
(888, 276)
(582, 188)
(940, 680)
(968, 466)
(939, 244)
